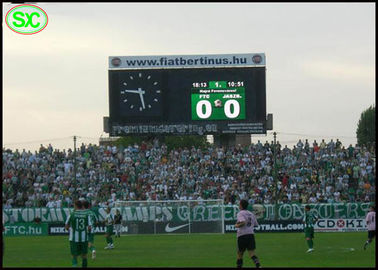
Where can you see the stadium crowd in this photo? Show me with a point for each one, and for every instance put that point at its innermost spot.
(321, 172)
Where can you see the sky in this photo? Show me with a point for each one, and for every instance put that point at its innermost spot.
(320, 64)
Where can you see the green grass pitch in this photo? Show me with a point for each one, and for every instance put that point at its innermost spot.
(196, 250)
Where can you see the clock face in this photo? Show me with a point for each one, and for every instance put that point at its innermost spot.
(141, 94)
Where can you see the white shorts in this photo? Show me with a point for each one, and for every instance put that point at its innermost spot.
(117, 227)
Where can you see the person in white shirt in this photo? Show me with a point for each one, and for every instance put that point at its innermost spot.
(246, 221)
(370, 222)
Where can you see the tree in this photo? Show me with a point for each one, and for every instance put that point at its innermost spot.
(128, 140)
(171, 141)
(188, 141)
(366, 127)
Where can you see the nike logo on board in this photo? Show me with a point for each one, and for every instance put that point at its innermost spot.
(172, 229)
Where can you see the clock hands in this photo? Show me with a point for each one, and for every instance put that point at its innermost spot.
(135, 91)
(140, 92)
(141, 98)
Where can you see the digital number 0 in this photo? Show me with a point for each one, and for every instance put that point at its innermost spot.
(199, 109)
(227, 108)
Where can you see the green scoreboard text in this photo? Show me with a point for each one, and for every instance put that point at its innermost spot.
(218, 100)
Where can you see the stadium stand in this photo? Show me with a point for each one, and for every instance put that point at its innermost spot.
(324, 172)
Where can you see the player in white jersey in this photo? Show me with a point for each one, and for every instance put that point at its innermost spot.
(370, 222)
(109, 221)
(246, 220)
(117, 223)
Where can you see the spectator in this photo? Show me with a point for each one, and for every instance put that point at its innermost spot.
(37, 220)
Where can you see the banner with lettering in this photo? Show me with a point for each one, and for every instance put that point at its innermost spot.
(25, 229)
(199, 212)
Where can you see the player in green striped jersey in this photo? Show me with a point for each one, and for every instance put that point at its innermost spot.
(109, 221)
(91, 234)
(79, 224)
(309, 220)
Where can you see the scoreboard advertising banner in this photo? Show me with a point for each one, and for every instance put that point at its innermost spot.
(150, 227)
(183, 95)
(322, 225)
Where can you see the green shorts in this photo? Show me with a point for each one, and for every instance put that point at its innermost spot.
(309, 232)
(78, 248)
(91, 238)
(109, 230)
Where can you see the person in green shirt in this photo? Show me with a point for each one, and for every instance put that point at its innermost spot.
(350, 151)
(79, 224)
(91, 234)
(351, 194)
(309, 221)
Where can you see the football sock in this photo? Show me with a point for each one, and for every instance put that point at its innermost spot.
(367, 243)
(85, 262)
(110, 240)
(239, 263)
(74, 262)
(256, 260)
(310, 243)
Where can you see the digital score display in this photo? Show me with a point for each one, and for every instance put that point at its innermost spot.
(218, 100)
(187, 101)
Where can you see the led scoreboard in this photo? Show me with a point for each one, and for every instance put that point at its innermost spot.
(218, 100)
(191, 94)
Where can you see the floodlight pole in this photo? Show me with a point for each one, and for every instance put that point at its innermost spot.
(75, 183)
(275, 175)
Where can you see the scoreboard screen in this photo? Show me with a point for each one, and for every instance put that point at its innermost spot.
(191, 100)
(218, 100)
